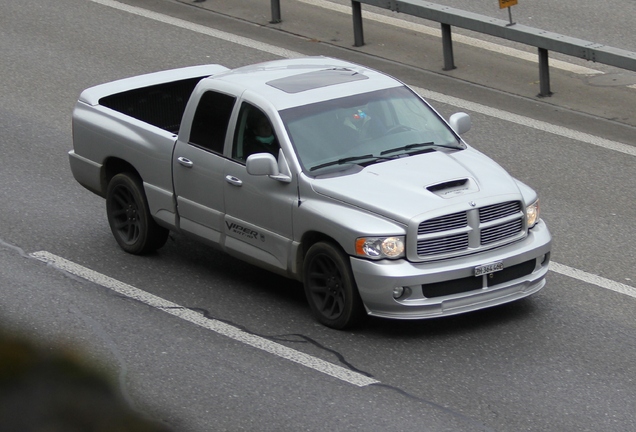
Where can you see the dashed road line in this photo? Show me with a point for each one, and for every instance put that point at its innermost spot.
(593, 279)
(219, 327)
(224, 329)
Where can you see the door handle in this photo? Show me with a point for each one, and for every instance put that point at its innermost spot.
(185, 162)
(233, 180)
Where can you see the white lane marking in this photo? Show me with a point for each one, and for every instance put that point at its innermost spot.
(427, 94)
(219, 327)
(593, 279)
(229, 37)
(528, 122)
(466, 40)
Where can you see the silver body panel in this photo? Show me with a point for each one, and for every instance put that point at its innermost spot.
(264, 219)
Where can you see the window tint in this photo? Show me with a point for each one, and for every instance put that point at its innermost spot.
(211, 120)
(254, 134)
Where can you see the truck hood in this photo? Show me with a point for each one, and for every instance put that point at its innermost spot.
(439, 182)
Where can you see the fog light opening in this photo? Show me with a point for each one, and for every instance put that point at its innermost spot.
(398, 292)
(546, 259)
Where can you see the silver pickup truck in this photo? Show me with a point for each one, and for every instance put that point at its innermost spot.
(321, 170)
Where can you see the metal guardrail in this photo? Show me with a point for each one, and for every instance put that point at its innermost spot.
(545, 41)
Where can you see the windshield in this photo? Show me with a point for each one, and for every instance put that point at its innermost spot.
(366, 128)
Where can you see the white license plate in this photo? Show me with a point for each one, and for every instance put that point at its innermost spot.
(489, 268)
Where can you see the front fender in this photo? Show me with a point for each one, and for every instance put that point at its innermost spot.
(341, 221)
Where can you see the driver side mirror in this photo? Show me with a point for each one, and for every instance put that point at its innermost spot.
(460, 122)
(261, 164)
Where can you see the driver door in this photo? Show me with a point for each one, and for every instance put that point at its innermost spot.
(258, 220)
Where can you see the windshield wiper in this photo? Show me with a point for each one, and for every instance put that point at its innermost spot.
(342, 161)
(407, 147)
(416, 145)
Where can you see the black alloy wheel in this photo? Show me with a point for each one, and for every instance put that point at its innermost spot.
(132, 226)
(330, 287)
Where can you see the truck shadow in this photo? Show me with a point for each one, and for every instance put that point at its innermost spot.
(218, 270)
(227, 280)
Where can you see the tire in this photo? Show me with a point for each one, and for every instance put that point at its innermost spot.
(330, 287)
(129, 218)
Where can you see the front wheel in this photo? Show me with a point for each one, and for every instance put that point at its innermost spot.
(129, 218)
(330, 287)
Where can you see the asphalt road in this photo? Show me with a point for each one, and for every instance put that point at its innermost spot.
(234, 347)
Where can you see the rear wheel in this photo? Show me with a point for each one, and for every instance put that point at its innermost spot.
(130, 221)
(330, 287)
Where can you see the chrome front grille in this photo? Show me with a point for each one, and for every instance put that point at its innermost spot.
(498, 211)
(500, 232)
(443, 223)
(440, 245)
(468, 231)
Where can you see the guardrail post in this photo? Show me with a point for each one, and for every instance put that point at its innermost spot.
(275, 12)
(356, 13)
(544, 73)
(447, 47)
(448, 17)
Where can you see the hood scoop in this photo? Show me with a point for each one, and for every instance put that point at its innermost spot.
(453, 188)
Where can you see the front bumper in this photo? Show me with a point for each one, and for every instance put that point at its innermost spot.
(377, 279)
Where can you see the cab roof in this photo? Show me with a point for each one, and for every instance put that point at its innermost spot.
(294, 82)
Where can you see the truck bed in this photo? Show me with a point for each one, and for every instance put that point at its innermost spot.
(160, 105)
(157, 98)
(135, 120)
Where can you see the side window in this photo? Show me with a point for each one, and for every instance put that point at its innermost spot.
(211, 119)
(254, 134)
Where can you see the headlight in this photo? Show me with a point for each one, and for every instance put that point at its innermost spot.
(532, 212)
(380, 247)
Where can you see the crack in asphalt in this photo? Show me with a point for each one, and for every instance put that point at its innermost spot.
(285, 338)
(342, 359)
(288, 338)
(96, 328)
